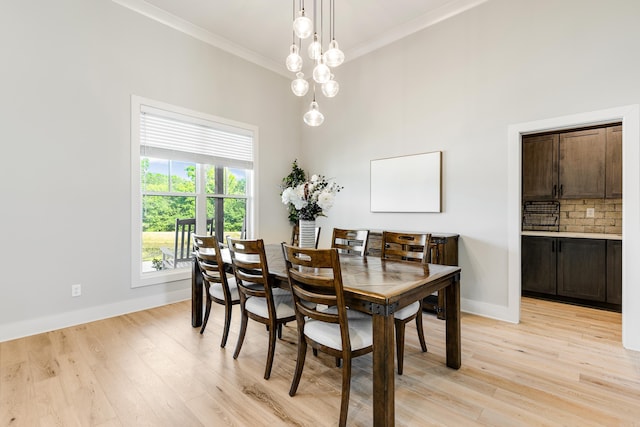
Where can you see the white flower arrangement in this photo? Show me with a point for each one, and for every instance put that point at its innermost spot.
(312, 198)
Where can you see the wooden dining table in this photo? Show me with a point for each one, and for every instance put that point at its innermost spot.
(378, 287)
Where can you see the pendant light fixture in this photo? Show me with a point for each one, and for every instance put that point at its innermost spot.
(322, 61)
(313, 117)
(334, 55)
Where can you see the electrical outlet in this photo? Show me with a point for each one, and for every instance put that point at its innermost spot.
(76, 290)
(591, 212)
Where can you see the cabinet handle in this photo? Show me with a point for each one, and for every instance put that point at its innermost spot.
(555, 189)
(561, 189)
(559, 246)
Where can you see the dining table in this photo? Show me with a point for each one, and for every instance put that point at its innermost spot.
(379, 287)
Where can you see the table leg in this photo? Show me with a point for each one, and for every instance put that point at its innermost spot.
(452, 314)
(196, 295)
(383, 371)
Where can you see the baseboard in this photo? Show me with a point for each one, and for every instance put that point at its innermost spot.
(492, 311)
(64, 320)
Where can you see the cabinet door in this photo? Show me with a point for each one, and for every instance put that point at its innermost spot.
(539, 167)
(613, 166)
(581, 164)
(582, 268)
(614, 271)
(538, 260)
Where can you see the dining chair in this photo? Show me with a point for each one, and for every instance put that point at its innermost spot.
(315, 280)
(219, 288)
(352, 242)
(295, 235)
(413, 247)
(259, 299)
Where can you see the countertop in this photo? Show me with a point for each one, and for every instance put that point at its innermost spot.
(572, 235)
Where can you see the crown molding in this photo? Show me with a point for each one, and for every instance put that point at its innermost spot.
(419, 23)
(177, 23)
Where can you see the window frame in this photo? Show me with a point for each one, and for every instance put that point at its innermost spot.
(138, 278)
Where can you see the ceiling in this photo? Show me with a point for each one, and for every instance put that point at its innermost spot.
(260, 30)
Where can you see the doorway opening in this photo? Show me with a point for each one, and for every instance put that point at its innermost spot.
(629, 116)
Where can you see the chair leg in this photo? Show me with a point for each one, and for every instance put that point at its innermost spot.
(315, 352)
(400, 344)
(346, 389)
(279, 331)
(302, 353)
(243, 330)
(337, 362)
(227, 323)
(273, 331)
(420, 329)
(207, 311)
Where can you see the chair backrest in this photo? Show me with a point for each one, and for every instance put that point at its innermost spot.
(353, 242)
(295, 235)
(406, 246)
(185, 228)
(251, 269)
(209, 258)
(315, 277)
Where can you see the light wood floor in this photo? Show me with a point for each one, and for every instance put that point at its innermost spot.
(562, 365)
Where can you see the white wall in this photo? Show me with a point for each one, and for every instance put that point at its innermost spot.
(457, 87)
(68, 71)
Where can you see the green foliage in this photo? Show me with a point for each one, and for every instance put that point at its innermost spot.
(234, 209)
(160, 212)
(295, 178)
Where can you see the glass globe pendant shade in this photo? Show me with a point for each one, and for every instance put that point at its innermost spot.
(294, 60)
(299, 86)
(313, 117)
(302, 25)
(315, 49)
(334, 56)
(321, 73)
(330, 88)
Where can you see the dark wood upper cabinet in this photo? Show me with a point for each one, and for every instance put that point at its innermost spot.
(540, 167)
(582, 164)
(613, 171)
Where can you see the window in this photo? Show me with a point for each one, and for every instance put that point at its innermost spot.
(190, 171)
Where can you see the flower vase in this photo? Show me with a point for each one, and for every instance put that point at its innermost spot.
(307, 236)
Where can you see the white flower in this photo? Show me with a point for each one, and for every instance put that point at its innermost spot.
(286, 195)
(325, 199)
(314, 178)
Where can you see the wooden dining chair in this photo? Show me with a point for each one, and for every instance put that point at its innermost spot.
(413, 247)
(352, 242)
(219, 288)
(259, 300)
(315, 280)
(295, 235)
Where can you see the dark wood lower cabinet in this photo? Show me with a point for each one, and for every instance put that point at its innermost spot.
(582, 271)
(582, 267)
(539, 264)
(614, 271)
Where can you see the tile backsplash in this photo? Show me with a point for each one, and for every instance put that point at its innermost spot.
(607, 216)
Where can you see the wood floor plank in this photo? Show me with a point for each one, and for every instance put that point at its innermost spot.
(561, 365)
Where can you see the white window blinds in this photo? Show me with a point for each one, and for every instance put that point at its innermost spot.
(175, 136)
